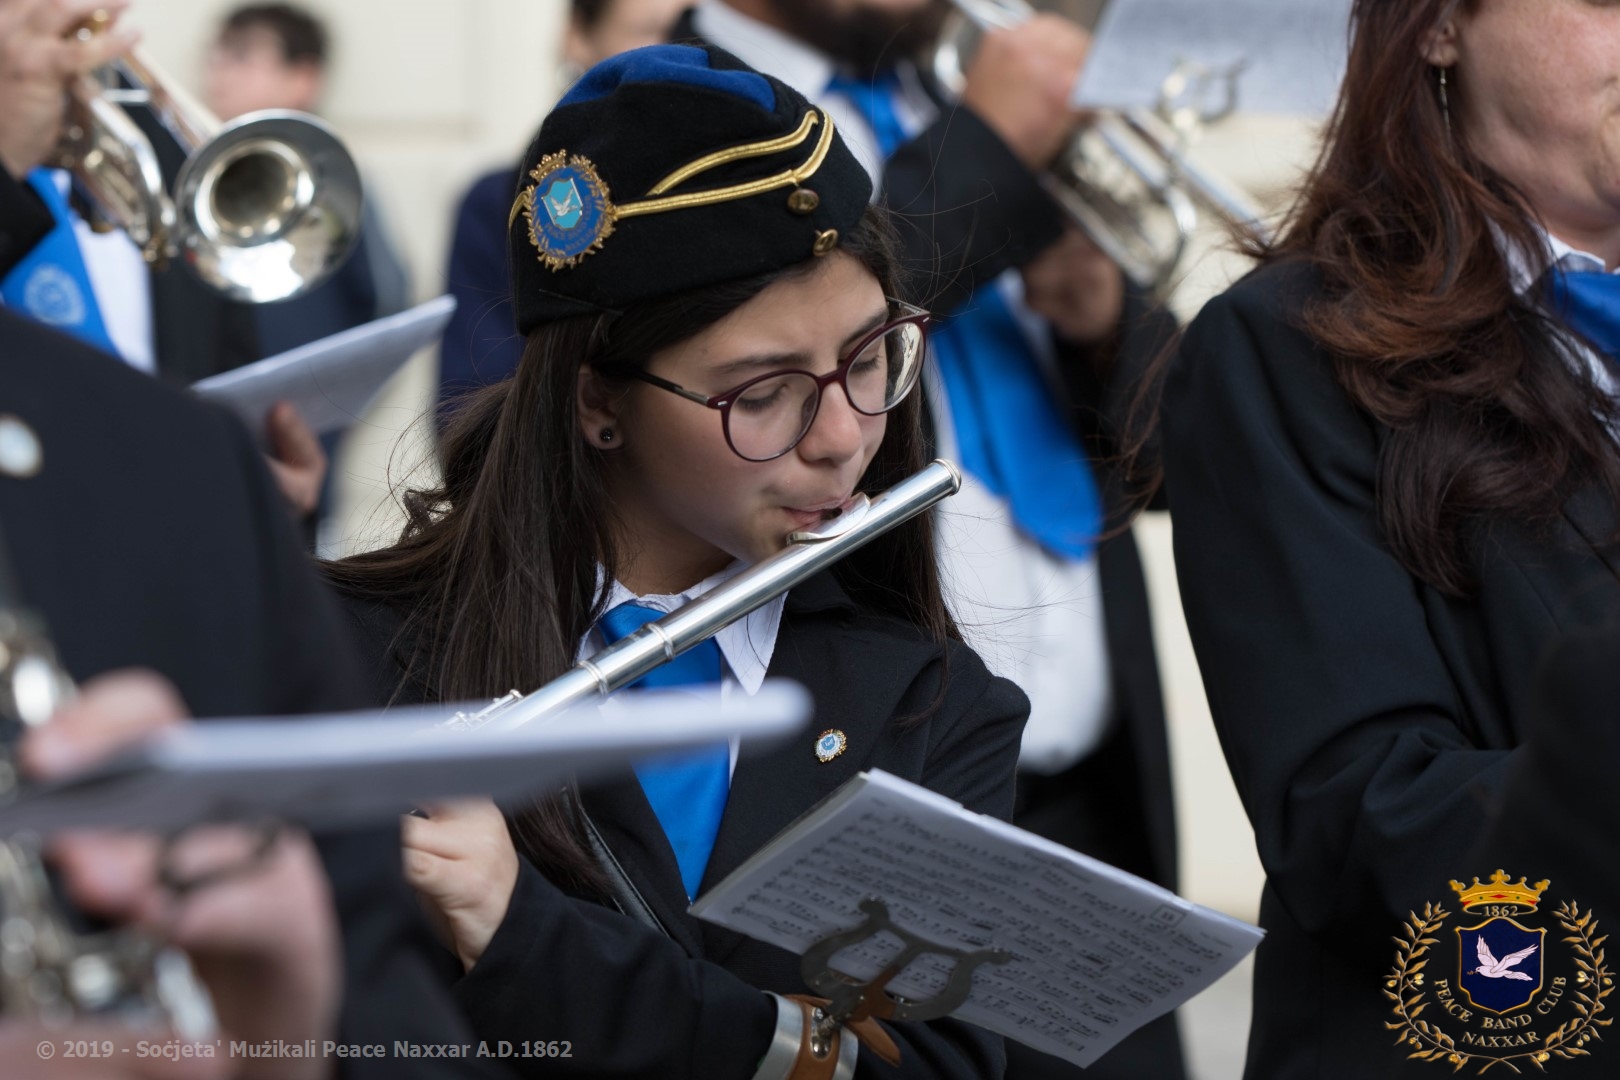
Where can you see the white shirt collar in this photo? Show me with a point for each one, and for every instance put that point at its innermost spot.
(1526, 268)
(746, 645)
(764, 48)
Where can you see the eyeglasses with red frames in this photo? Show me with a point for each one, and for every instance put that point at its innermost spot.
(769, 415)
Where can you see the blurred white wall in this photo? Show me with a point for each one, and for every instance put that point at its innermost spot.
(428, 95)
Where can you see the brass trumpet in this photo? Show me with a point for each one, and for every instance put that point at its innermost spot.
(1126, 178)
(265, 207)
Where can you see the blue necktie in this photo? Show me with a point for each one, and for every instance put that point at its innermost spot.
(1009, 432)
(1588, 303)
(687, 790)
(51, 283)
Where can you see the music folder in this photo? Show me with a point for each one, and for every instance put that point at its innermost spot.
(1287, 56)
(334, 381)
(1068, 955)
(357, 769)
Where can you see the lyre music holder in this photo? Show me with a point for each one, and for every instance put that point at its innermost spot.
(851, 1000)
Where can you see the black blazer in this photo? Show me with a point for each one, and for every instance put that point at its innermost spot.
(24, 221)
(636, 1003)
(196, 332)
(1367, 718)
(1557, 811)
(153, 537)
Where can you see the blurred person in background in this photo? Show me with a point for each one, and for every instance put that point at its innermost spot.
(161, 608)
(1034, 372)
(142, 528)
(1391, 456)
(481, 345)
(56, 269)
(274, 56)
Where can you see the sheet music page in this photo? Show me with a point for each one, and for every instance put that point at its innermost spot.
(1293, 51)
(332, 381)
(1095, 952)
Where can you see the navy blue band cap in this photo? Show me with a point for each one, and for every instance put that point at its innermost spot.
(729, 173)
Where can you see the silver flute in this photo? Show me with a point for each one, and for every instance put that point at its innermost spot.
(808, 552)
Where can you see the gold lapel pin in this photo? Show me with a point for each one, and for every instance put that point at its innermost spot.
(20, 453)
(829, 744)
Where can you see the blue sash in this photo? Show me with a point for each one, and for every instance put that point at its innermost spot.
(51, 284)
(1010, 434)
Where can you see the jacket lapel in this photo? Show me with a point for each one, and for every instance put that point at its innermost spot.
(1592, 516)
(857, 687)
(631, 829)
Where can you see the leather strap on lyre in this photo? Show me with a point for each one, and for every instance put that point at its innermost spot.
(798, 1052)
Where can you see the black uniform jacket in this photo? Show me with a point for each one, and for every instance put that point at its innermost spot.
(636, 1003)
(153, 537)
(967, 210)
(1557, 816)
(1368, 719)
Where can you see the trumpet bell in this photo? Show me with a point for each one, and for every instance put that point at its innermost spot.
(1127, 178)
(269, 207)
(1126, 200)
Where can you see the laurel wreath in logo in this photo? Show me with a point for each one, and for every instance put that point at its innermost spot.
(1405, 988)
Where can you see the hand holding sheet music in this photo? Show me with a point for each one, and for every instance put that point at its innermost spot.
(1095, 952)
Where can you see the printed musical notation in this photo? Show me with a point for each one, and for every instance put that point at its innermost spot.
(1095, 952)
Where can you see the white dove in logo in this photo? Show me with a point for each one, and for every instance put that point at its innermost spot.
(1492, 968)
(564, 205)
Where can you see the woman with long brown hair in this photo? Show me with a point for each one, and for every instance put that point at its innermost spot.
(712, 362)
(1392, 461)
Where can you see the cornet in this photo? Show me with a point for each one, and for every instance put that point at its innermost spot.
(54, 969)
(264, 208)
(1126, 178)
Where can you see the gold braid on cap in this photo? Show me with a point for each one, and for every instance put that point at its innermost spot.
(556, 253)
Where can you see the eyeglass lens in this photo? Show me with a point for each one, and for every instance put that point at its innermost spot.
(770, 416)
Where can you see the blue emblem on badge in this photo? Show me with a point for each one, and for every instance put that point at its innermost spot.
(54, 298)
(829, 744)
(567, 208)
(563, 204)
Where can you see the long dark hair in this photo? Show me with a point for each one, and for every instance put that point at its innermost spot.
(495, 574)
(1405, 224)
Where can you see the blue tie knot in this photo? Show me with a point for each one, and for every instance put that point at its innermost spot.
(874, 99)
(1588, 303)
(699, 664)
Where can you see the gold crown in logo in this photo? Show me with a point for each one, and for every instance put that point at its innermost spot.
(1500, 891)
